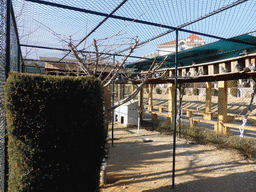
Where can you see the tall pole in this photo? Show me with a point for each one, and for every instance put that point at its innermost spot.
(113, 102)
(7, 70)
(175, 111)
(8, 38)
(180, 103)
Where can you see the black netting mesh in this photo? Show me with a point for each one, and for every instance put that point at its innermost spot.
(15, 60)
(2, 82)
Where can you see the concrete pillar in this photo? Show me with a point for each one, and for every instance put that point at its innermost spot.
(208, 101)
(150, 99)
(171, 102)
(222, 108)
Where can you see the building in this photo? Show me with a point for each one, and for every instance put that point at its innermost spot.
(183, 44)
(169, 47)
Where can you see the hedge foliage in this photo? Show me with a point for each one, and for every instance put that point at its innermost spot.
(158, 90)
(195, 91)
(56, 132)
(234, 91)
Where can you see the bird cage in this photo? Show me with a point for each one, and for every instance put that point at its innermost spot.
(127, 113)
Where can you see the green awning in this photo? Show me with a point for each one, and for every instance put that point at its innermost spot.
(220, 50)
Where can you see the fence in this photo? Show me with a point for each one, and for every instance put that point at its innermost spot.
(8, 62)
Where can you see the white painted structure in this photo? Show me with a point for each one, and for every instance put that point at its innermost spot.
(183, 44)
(127, 113)
(170, 47)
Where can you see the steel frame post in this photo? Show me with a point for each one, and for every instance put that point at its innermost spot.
(8, 38)
(7, 70)
(180, 103)
(175, 111)
(113, 112)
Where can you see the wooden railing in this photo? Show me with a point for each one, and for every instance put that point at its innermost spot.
(193, 120)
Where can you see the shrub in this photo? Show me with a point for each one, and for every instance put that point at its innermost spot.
(55, 131)
(158, 90)
(214, 92)
(195, 91)
(232, 83)
(247, 84)
(246, 146)
(234, 91)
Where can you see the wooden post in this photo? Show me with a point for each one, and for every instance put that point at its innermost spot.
(208, 101)
(150, 100)
(192, 123)
(211, 69)
(226, 65)
(171, 103)
(253, 60)
(233, 66)
(247, 62)
(122, 90)
(222, 108)
(189, 113)
(119, 92)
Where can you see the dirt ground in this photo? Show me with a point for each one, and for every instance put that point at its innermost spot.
(135, 166)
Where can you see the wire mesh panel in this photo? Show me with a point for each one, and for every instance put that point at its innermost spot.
(2, 82)
(15, 59)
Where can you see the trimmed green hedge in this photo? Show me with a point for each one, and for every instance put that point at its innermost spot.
(195, 91)
(234, 91)
(56, 132)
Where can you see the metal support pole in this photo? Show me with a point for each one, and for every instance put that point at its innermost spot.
(141, 106)
(18, 59)
(175, 111)
(8, 38)
(113, 102)
(7, 70)
(181, 94)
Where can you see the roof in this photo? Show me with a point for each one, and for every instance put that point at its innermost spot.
(189, 39)
(214, 52)
(194, 37)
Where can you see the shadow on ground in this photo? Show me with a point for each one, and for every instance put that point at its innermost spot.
(244, 182)
(132, 162)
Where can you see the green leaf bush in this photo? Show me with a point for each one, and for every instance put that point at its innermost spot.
(234, 91)
(56, 132)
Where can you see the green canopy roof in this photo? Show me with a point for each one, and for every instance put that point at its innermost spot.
(220, 50)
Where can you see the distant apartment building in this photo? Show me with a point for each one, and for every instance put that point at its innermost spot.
(183, 44)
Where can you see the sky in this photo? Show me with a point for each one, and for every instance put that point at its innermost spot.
(48, 26)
